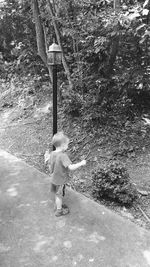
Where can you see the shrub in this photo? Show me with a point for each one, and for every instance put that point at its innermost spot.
(113, 183)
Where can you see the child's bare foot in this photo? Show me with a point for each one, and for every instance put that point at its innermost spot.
(61, 212)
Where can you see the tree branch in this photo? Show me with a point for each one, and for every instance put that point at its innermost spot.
(59, 42)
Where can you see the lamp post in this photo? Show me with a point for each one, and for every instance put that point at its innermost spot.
(54, 56)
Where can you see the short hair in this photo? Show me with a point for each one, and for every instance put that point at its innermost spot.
(59, 139)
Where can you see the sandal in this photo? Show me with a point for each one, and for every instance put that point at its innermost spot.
(61, 212)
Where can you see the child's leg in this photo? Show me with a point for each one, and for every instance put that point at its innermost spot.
(58, 201)
(53, 189)
(61, 209)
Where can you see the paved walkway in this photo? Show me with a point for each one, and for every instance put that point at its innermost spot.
(31, 236)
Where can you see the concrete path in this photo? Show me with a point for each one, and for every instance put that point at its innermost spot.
(31, 236)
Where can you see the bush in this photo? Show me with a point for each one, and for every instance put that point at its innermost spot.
(113, 183)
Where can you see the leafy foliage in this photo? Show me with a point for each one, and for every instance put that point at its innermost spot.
(113, 182)
(107, 51)
(18, 40)
(108, 54)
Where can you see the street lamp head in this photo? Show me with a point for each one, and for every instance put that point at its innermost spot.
(54, 54)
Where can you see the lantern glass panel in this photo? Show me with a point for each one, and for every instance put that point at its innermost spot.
(54, 58)
(58, 57)
(50, 58)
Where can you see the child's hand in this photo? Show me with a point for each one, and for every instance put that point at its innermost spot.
(83, 162)
(46, 156)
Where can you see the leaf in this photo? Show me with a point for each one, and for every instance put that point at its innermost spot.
(134, 16)
(114, 33)
(143, 40)
(95, 159)
(146, 121)
(97, 50)
(140, 27)
(142, 192)
(145, 12)
(147, 33)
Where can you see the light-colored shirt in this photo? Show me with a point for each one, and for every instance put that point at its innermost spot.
(58, 165)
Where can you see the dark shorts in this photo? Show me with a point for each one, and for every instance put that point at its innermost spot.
(59, 190)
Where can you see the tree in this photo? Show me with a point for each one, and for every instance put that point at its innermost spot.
(17, 38)
(40, 37)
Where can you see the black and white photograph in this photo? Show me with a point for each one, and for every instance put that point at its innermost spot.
(74, 133)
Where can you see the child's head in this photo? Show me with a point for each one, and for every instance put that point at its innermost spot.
(60, 141)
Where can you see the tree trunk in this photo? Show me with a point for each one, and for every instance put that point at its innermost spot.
(59, 42)
(46, 49)
(116, 5)
(115, 42)
(41, 42)
(113, 54)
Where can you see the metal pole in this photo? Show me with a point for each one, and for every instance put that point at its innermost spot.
(54, 100)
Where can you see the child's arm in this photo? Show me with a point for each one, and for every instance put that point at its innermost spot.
(73, 167)
(46, 156)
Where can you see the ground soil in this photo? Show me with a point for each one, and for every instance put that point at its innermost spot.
(26, 131)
